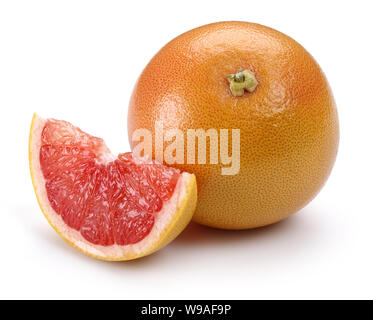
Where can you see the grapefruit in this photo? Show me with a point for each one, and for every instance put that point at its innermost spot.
(239, 75)
(110, 208)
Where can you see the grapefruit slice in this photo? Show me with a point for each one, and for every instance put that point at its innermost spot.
(110, 208)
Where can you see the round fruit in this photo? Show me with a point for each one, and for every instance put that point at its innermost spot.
(111, 208)
(238, 75)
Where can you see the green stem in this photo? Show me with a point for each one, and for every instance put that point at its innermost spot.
(241, 81)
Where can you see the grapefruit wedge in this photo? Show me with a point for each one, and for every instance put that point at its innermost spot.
(110, 208)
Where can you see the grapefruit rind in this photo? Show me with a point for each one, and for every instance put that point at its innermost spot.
(175, 215)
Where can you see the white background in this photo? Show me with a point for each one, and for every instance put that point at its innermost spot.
(78, 60)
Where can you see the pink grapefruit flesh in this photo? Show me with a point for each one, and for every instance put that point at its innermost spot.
(112, 208)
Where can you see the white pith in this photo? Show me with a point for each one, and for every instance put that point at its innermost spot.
(162, 218)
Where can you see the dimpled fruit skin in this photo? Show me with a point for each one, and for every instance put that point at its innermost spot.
(288, 126)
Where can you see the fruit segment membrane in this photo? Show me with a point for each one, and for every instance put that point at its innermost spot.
(108, 200)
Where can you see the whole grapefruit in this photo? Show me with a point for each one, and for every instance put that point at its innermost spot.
(239, 75)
